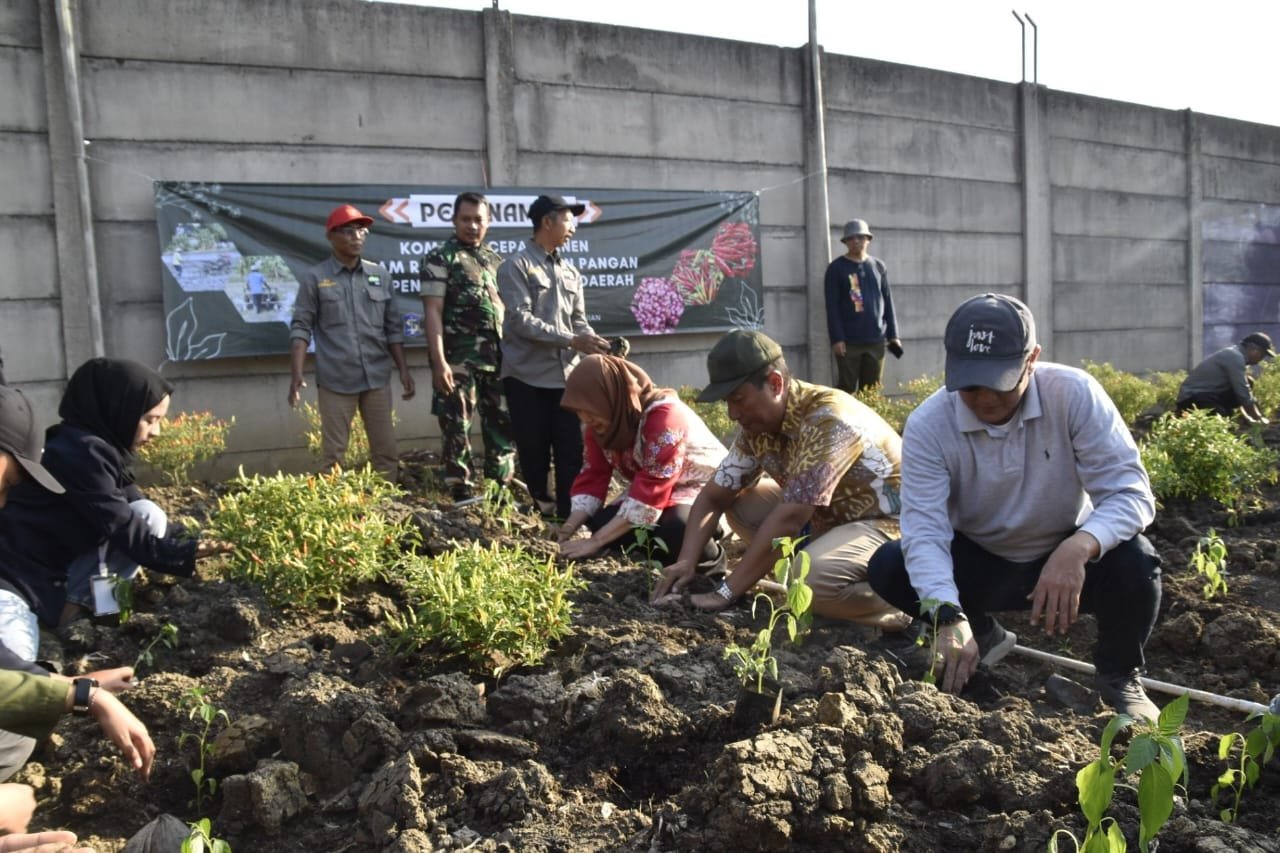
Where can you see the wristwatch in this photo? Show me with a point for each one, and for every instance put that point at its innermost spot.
(82, 698)
(948, 614)
(725, 592)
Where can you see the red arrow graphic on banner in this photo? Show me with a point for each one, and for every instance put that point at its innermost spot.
(591, 214)
(393, 210)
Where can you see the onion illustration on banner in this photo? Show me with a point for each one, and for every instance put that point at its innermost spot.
(696, 279)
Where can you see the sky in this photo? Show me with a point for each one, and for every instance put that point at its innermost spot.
(1218, 58)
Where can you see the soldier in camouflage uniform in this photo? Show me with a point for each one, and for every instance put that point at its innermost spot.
(463, 317)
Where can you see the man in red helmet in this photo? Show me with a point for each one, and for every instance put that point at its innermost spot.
(345, 306)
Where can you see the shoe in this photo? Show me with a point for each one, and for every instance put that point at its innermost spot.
(995, 644)
(461, 492)
(1123, 692)
(716, 566)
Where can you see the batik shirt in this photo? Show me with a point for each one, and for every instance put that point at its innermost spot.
(832, 452)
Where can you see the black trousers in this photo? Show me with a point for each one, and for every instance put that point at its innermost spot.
(543, 429)
(1121, 590)
(670, 529)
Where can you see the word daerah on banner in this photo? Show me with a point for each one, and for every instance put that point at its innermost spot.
(652, 262)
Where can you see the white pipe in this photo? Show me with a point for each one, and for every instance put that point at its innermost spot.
(1150, 683)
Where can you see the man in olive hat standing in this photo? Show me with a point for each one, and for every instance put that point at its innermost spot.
(809, 461)
(1022, 488)
(1221, 383)
(345, 306)
(544, 332)
(860, 319)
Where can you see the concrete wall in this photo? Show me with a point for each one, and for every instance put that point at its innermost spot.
(1085, 207)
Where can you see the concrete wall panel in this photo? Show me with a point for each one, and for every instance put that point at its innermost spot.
(1156, 349)
(22, 101)
(1072, 116)
(1095, 165)
(20, 23)
(27, 245)
(898, 146)
(1124, 307)
(135, 275)
(1108, 260)
(1239, 140)
(338, 35)
(121, 179)
(1242, 180)
(604, 56)
(930, 204)
(992, 261)
(878, 88)
(36, 326)
(560, 119)
(26, 187)
(1109, 214)
(257, 105)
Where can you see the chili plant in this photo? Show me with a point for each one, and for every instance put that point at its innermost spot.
(643, 549)
(167, 636)
(1257, 748)
(205, 714)
(752, 663)
(499, 504)
(184, 440)
(357, 455)
(500, 608)
(1210, 563)
(1156, 756)
(929, 607)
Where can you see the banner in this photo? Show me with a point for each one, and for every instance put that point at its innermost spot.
(652, 262)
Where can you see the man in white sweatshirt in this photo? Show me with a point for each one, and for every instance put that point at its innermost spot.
(1022, 488)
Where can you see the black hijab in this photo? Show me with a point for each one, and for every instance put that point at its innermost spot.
(109, 396)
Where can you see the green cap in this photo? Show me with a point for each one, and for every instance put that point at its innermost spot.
(734, 359)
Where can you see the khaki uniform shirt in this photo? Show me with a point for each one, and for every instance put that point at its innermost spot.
(545, 309)
(352, 319)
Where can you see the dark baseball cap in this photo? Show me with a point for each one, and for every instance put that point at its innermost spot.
(734, 359)
(544, 204)
(988, 339)
(20, 437)
(1262, 341)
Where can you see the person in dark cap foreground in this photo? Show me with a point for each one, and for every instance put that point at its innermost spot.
(1221, 382)
(544, 332)
(1022, 488)
(808, 460)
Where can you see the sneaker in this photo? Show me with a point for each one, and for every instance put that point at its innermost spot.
(1123, 692)
(461, 492)
(995, 644)
(714, 567)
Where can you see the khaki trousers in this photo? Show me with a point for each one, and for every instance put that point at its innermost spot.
(336, 413)
(837, 561)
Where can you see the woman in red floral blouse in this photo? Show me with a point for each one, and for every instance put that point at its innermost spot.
(654, 442)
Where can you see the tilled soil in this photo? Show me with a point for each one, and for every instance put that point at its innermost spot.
(625, 738)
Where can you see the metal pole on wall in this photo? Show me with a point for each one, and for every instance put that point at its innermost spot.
(818, 217)
(75, 117)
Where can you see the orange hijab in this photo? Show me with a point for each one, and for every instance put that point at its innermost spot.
(612, 389)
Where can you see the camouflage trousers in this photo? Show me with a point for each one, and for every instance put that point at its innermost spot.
(474, 391)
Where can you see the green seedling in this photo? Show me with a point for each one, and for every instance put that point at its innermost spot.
(122, 592)
(205, 714)
(753, 663)
(1257, 748)
(167, 636)
(929, 609)
(499, 504)
(1156, 756)
(642, 551)
(1210, 563)
(201, 839)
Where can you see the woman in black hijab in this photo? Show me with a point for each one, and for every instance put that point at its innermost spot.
(51, 545)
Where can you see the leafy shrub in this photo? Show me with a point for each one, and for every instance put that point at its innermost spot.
(1132, 394)
(714, 415)
(184, 440)
(894, 409)
(1166, 385)
(1198, 454)
(1266, 389)
(357, 446)
(500, 608)
(307, 539)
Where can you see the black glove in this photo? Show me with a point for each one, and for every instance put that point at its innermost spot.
(895, 348)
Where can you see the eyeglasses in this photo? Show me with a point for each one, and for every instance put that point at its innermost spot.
(352, 230)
